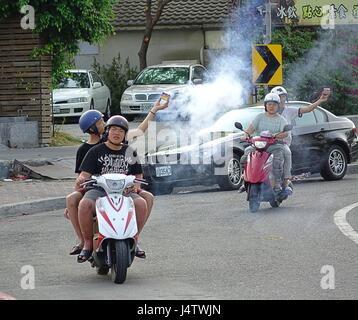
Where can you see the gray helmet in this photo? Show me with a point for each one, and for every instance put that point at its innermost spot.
(118, 121)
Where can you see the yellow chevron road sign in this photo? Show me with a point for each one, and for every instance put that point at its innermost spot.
(267, 64)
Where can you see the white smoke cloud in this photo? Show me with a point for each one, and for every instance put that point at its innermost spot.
(325, 56)
(229, 82)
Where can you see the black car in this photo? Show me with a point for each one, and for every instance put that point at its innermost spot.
(321, 143)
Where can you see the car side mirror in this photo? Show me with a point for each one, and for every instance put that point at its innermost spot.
(287, 127)
(130, 82)
(97, 85)
(197, 81)
(238, 125)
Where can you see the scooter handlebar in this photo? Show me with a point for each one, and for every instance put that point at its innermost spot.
(141, 181)
(87, 182)
(92, 182)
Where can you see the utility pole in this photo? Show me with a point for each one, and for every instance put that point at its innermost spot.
(265, 12)
(268, 30)
(268, 22)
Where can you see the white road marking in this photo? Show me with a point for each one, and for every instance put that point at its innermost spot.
(341, 221)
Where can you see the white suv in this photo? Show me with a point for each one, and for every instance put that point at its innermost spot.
(139, 98)
(79, 91)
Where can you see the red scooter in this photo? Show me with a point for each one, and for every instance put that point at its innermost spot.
(258, 169)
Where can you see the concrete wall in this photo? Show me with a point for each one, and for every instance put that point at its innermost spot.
(17, 132)
(214, 39)
(165, 45)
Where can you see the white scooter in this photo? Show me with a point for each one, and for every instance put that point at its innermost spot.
(115, 227)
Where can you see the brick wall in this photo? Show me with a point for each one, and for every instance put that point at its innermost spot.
(24, 81)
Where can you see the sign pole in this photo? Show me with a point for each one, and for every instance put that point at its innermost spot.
(268, 30)
(268, 23)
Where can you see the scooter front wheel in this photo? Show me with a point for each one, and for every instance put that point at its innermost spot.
(119, 267)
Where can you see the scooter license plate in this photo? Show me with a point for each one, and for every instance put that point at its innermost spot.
(163, 171)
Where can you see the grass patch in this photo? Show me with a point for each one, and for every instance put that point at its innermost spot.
(64, 139)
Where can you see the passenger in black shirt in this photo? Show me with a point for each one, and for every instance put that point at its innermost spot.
(108, 157)
(103, 159)
(81, 153)
(91, 122)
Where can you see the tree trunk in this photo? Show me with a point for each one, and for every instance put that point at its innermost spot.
(150, 23)
(144, 49)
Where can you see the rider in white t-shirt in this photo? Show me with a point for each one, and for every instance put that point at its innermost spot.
(290, 113)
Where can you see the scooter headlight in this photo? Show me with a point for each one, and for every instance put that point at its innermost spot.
(260, 144)
(115, 185)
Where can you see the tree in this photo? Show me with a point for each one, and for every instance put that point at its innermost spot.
(313, 59)
(116, 75)
(62, 24)
(295, 43)
(151, 21)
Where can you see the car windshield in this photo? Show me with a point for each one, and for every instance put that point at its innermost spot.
(74, 80)
(227, 121)
(163, 75)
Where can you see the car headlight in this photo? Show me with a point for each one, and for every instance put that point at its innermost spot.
(126, 96)
(76, 100)
(115, 185)
(260, 144)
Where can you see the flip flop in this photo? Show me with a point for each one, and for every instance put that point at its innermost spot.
(84, 255)
(76, 250)
(139, 253)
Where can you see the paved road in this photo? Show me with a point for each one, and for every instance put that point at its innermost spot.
(201, 245)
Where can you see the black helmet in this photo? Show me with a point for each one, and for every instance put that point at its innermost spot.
(118, 121)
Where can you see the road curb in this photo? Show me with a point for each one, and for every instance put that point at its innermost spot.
(352, 168)
(30, 207)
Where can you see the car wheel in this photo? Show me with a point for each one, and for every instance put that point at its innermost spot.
(232, 180)
(334, 164)
(107, 113)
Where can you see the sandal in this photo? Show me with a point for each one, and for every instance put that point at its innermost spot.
(76, 250)
(84, 255)
(139, 253)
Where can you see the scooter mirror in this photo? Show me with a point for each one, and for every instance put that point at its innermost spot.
(238, 125)
(287, 127)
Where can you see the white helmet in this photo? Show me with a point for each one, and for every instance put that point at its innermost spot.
(279, 90)
(272, 97)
